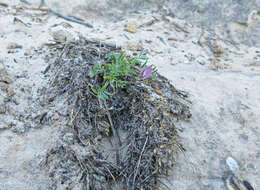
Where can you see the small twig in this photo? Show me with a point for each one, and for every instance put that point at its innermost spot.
(47, 69)
(126, 36)
(63, 51)
(115, 134)
(199, 40)
(110, 173)
(139, 161)
(162, 40)
(20, 21)
(163, 184)
(68, 18)
(59, 62)
(73, 118)
(43, 117)
(76, 18)
(179, 27)
(83, 167)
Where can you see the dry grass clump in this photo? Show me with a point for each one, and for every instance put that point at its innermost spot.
(124, 140)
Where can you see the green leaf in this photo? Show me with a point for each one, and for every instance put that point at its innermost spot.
(115, 71)
(111, 57)
(103, 95)
(107, 93)
(121, 83)
(94, 90)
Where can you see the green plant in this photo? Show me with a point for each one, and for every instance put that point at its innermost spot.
(116, 71)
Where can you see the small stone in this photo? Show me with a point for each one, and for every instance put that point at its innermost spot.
(216, 65)
(156, 48)
(243, 138)
(131, 27)
(8, 89)
(62, 36)
(19, 127)
(28, 52)
(4, 75)
(66, 25)
(13, 45)
(133, 46)
(11, 51)
(202, 62)
(232, 164)
(250, 166)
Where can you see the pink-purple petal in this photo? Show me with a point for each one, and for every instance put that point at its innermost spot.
(146, 71)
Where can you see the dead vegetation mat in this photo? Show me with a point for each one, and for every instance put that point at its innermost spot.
(143, 115)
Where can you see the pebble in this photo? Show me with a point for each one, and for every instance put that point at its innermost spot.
(13, 45)
(133, 46)
(131, 27)
(202, 62)
(19, 127)
(243, 138)
(232, 164)
(4, 75)
(11, 51)
(62, 36)
(28, 52)
(8, 89)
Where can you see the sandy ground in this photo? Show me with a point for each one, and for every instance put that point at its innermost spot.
(221, 77)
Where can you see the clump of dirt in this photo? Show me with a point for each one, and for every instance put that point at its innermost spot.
(127, 141)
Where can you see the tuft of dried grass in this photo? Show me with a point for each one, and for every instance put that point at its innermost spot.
(142, 113)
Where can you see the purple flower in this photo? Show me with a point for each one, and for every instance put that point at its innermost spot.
(146, 71)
